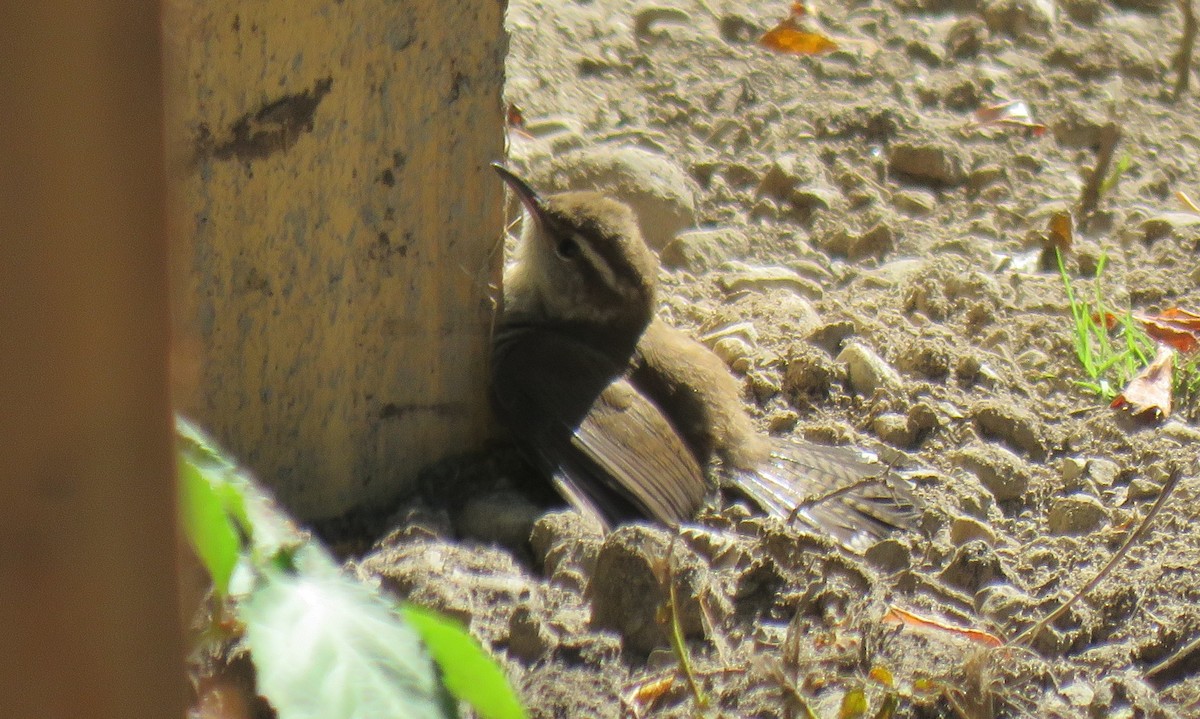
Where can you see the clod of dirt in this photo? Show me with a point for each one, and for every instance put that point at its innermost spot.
(930, 164)
(529, 638)
(1076, 514)
(966, 37)
(878, 241)
(1014, 426)
(735, 352)
(658, 190)
(1003, 603)
(1018, 18)
(974, 565)
(566, 544)
(868, 372)
(895, 430)
(630, 586)
(763, 279)
(809, 375)
(999, 470)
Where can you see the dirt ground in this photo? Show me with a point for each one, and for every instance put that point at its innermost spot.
(868, 264)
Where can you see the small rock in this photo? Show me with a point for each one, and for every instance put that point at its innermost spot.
(1142, 489)
(658, 190)
(698, 251)
(984, 176)
(764, 279)
(1076, 514)
(1104, 471)
(868, 372)
(968, 529)
(974, 565)
(888, 555)
(1000, 471)
(938, 165)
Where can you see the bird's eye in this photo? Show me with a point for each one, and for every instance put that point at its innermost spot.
(567, 249)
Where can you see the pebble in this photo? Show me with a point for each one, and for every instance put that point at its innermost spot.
(966, 37)
(658, 190)
(939, 165)
(1000, 471)
(1076, 514)
(868, 372)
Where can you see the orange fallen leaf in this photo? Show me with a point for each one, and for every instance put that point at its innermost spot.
(791, 35)
(1178, 328)
(1149, 394)
(1011, 113)
(903, 617)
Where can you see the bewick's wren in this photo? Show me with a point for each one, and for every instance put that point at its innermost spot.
(625, 413)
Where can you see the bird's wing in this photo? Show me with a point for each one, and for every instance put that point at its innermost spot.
(841, 490)
(609, 450)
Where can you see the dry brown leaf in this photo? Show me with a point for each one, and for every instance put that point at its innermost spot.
(1178, 328)
(903, 617)
(1149, 394)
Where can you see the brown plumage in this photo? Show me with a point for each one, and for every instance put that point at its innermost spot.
(626, 414)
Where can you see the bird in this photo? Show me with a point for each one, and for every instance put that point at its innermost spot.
(629, 417)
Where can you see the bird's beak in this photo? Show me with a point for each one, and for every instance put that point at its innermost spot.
(529, 198)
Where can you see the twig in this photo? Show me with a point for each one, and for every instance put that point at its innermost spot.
(1177, 657)
(1110, 134)
(1026, 637)
(1183, 59)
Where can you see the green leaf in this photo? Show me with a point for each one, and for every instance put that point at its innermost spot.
(327, 647)
(207, 519)
(468, 672)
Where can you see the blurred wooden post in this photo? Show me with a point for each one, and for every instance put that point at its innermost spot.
(87, 531)
(341, 223)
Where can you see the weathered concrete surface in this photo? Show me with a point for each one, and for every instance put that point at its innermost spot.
(340, 223)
